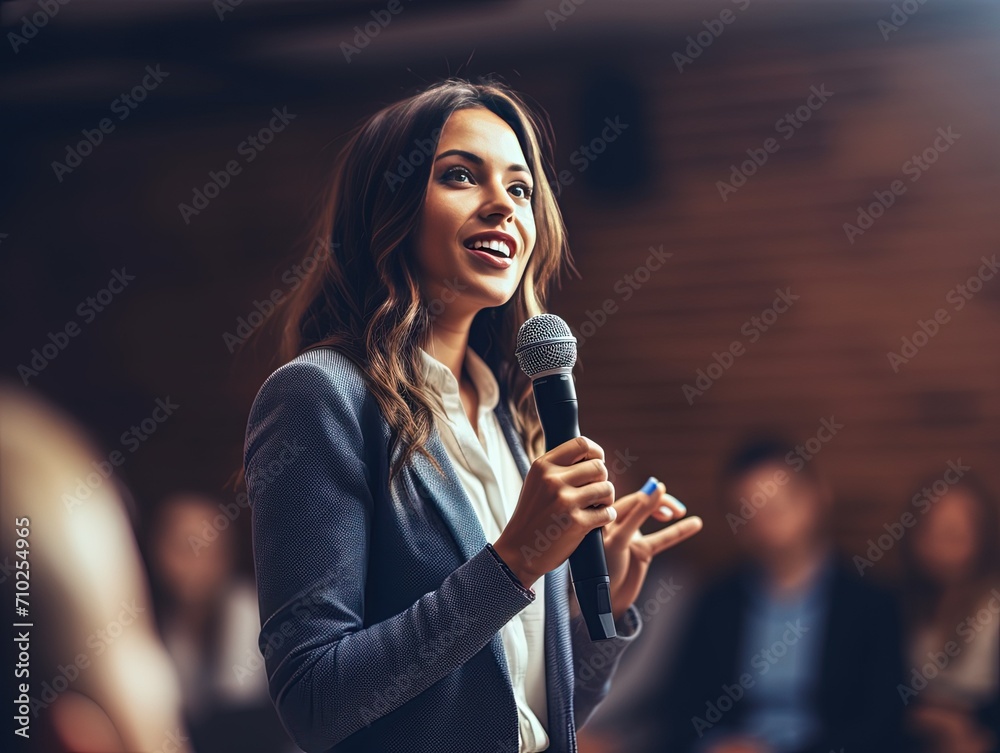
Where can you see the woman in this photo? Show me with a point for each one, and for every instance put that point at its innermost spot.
(952, 595)
(206, 613)
(413, 584)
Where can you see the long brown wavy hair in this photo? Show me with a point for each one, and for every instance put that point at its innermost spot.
(362, 295)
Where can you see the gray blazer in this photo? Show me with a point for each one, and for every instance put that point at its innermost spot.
(380, 608)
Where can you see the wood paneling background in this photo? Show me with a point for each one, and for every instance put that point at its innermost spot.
(825, 357)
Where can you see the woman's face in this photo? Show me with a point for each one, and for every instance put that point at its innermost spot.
(479, 188)
(192, 568)
(946, 544)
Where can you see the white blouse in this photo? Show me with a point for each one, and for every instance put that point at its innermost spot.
(490, 477)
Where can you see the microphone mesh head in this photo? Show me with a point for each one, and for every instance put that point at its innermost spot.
(545, 342)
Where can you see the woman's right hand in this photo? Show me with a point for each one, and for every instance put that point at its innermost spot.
(566, 494)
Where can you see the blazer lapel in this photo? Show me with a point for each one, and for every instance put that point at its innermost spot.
(448, 497)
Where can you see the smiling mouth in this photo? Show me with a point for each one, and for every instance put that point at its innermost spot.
(494, 247)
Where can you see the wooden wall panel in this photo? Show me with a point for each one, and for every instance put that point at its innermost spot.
(783, 229)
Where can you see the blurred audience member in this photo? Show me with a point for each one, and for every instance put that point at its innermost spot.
(99, 678)
(792, 651)
(952, 605)
(209, 621)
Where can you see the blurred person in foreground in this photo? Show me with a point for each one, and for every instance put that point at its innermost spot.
(951, 598)
(791, 652)
(100, 680)
(207, 615)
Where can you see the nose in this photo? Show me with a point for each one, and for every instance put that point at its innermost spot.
(498, 204)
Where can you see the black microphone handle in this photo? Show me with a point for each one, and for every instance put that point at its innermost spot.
(555, 400)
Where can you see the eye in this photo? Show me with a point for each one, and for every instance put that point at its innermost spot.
(452, 173)
(527, 191)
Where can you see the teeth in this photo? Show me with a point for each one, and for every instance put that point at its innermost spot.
(493, 245)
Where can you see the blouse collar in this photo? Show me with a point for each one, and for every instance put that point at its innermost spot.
(438, 377)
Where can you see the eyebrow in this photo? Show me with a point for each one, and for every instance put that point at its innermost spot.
(476, 159)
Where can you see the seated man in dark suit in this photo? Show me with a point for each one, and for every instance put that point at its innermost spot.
(792, 652)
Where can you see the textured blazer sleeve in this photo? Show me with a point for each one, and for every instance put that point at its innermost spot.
(595, 662)
(329, 674)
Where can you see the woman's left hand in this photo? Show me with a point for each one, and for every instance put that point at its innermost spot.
(629, 552)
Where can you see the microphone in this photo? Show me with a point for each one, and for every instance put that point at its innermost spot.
(546, 351)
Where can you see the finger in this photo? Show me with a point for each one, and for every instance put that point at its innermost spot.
(600, 493)
(672, 535)
(629, 504)
(634, 508)
(670, 508)
(584, 472)
(574, 450)
(595, 517)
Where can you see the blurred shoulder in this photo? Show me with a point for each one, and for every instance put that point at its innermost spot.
(863, 590)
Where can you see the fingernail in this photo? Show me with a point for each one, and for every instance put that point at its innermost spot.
(649, 486)
(677, 502)
(666, 511)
